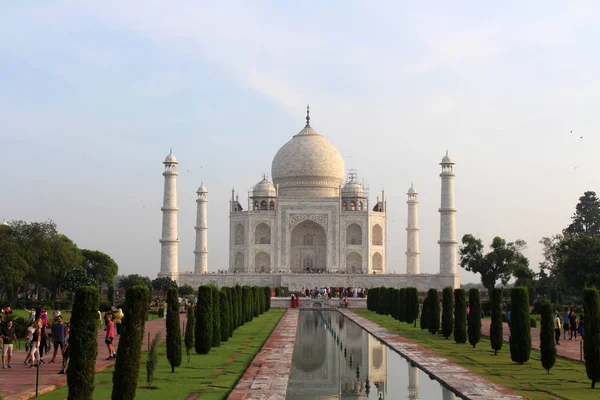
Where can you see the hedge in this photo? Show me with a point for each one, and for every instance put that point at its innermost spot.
(402, 305)
(433, 324)
(267, 290)
(520, 325)
(460, 316)
(225, 315)
(173, 329)
(591, 344)
(474, 317)
(547, 345)
(204, 320)
(425, 313)
(216, 314)
(189, 330)
(447, 312)
(496, 327)
(412, 305)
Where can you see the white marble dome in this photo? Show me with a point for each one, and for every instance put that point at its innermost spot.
(353, 188)
(264, 188)
(308, 165)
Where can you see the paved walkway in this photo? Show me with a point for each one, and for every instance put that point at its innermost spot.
(457, 378)
(18, 383)
(568, 348)
(268, 374)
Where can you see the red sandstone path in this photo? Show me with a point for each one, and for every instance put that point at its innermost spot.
(19, 382)
(567, 349)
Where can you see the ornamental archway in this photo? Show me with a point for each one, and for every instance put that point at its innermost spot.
(308, 249)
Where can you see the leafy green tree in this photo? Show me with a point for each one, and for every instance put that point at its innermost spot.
(127, 366)
(547, 346)
(591, 344)
(185, 290)
(496, 328)
(586, 219)
(216, 314)
(83, 345)
(134, 280)
(412, 305)
(75, 278)
(225, 315)
(152, 359)
(173, 329)
(100, 266)
(460, 316)
(520, 325)
(163, 283)
(497, 264)
(433, 324)
(447, 312)
(14, 267)
(190, 327)
(578, 262)
(474, 317)
(425, 316)
(204, 320)
(401, 301)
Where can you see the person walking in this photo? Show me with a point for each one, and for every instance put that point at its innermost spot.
(573, 325)
(581, 325)
(565, 321)
(118, 319)
(557, 327)
(8, 335)
(35, 343)
(66, 352)
(58, 336)
(110, 336)
(28, 341)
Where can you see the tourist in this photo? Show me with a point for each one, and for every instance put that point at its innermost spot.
(566, 322)
(581, 325)
(36, 340)
(58, 335)
(44, 317)
(56, 314)
(508, 317)
(66, 352)
(573, 325)
(99, 319)
(557, 328)
(45, 342)
(8, 335)
(28, 341)
(110, 335)
(31, 314)
(118, 319)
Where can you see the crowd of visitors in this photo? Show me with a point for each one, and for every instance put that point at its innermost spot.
(333, 292)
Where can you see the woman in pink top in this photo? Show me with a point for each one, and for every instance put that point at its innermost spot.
(110, 335)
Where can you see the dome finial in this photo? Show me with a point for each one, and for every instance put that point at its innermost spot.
(308, 115)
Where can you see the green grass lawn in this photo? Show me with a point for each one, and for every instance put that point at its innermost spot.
(22, 313)
(212, 376)
(567, 380)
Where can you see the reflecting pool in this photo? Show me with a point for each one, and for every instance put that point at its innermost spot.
(334, 358)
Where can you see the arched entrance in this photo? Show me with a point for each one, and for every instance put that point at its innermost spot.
(308, 250)
(262, 262)
(354, 263)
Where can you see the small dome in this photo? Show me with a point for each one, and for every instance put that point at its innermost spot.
(202, 189)
(264, 188)
(353, 188)
(4, 222)
(411, 190)
(171, 158)
(447, 159)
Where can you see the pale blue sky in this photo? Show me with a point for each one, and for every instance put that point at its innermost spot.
(93, 94)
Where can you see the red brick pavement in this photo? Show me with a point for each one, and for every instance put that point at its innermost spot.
(568, 348)
(19, 382)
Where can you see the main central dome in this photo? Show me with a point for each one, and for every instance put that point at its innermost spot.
(308, 166)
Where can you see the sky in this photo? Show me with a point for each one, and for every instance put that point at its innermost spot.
(94, 94)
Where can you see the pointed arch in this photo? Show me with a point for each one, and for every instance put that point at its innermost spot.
(377, 235)
(238, 262)
(262, 262)
(239, 235)
(354, 263)
(262, 234)
(354, 234)
(377, 264)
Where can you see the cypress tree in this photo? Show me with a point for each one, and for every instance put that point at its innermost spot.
(267, 290)
(83, 343)
(393, 306)
(447, 312)
(496, 328)
(434, 311)
(229, 294)
(425, 313)
(216, 314)
(370, 299)
(401, 304)
(460, 316)
(225, 315)
(204, 320)
(256, 295)
(127, 366)
(247, 303)
(411, 305)
(190, 327)
(547, 346)
(173, 329)
(474, 317)
(240, 306)
(591, 344)
(520, 325)
(234, 308)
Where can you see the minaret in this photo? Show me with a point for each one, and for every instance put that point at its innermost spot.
(170, 241)
(201, 252)
(447, 394)
(413, 266)
(448, 243)
(413, 383)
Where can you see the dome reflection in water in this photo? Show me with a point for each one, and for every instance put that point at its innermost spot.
(336, 359)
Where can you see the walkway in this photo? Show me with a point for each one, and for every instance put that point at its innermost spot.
(18, 383)
(457, 378)
(568, 348)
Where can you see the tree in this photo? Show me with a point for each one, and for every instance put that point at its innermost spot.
(497, 264)
(256, 296)
(520, 326)
(190, 327)
(163, 283)
(239, 307)
(75, 278)
(474, 317)
(401, 294)
(267, 290)
(13, 265)
(460, 316)
(152, 359)
(591, 344)
(173, 329)
(234, 308)
(127, 366)
(231, 324)
(547, 346)
(412, 305)
(185, 290)
(447, 312)
(134, 280)
(101, 267)
(586, 219)
(216, 314)
(83, 344)
(225, 315)
(425, 313)
(247, 303)
(433, 324)
(578, 263)
(204, 320)
(496, 328)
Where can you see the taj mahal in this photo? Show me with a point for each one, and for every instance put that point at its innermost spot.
(314, 225)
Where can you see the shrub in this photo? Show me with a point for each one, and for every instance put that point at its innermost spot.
(256, 296)
(189, 330)
(277, 292)
(225, 315)
(411, 305)
(173, 329)
(267, 290)
(231, 321)
(127, 366)
(216, 314)
(496, 327)
(83, 344)
(591, 344)
(234, 308)
(111, 294)
(239, 307)
(204, 320)
(532, 322)
(520, 328)
(104, 306)
(152, 360)
(433, 324)
(447, 312)
(425, 313)
(401, 301)
(460, 316)
(247, 304)
(474, 317)
(537, 307)
(547, 346)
